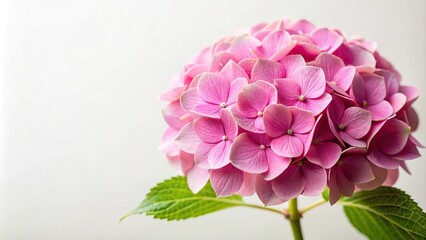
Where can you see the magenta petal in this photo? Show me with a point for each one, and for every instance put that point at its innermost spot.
(375, 88)
(380, 111)
(345, 186)
(409, 152)
(197, 178)
(189, 99)
(213, 88)
(380, 175)
(288, 91)
(287, 146)
(291, 63)
(276, 164)
(356, 122)
(248, 187)
(187, 139)
(334, 189)
(382, 160)
(255, 97)
(219, 155)
(397, 101)
(315, 179)
(411, 93)
(303, 121)
(325, 154)
(226, 181)
(247, 156)
(266, 70)
(311, 80)
(358, 88)
(393, 137)
(232, 71)
(352, 141)
(357, 169)
(277, 119)
(230, 127)
(209, 130)
(266, 194)
(289, 184)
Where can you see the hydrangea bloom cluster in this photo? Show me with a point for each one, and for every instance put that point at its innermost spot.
(287, 109)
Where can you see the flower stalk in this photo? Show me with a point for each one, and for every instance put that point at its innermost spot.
(295, 219)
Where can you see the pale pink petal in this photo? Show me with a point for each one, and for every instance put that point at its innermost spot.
(276, 45)
(226, 181)
(315, 179)
(291, 63)
(277, 119)
(167, 143)
(392, 177)
(290, 183)
(247, 64)
(311, 80)
(302, 27)
(265, 192)
(207, 109)
(255, 97)
(357, 169)
(356, 122)
(202, 154)
(220, 59)
(209, 130)
(397, 101)
(174, 115)
(247, 156)
(302, 122)
(380, 111)
(244, 46)
(287, 146)
(219, 155)
(259, 124)
(344, 77)
(236, 86)
(187, 139)
(230, 127)
(276, 164)
(197, 178)
(248, 187)
(330, 64)
(325, 154)
(190, 99)
(213, 88)
(266, 70)
(172, 94)
(326, 39)
(232, 71)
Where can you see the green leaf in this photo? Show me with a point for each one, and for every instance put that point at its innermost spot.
(326, 194)
(386, 213)
(173, 200)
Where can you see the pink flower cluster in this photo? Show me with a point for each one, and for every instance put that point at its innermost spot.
(286, 110)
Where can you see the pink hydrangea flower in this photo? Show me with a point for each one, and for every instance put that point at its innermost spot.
(286, 109)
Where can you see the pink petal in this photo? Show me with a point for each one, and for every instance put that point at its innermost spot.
(334, 189)
(357, 169)
(392, 177)
(167, 143)
(197, 178)
(344, 77)
(345, 186)
(247, 123)
(409, 152)
(190, 99)
(213, 88)
(265, 192)
(174, 114)
(412, 118)
(219, 155)
(201, 157)
(356, 122)
(412, 93)
(255, 97)
(380, 111)
(248, 187)
(326, 39)
(277, 119)
(232, 71)
(315, 105)
(209, 130)
(244, 46)
(291, 63)
(358, 88)
(381, 160)
(311, 80)
(247, 64)
(325, 154)
(375, 88)
(172, 94)
(207, 110)
(230, 127)
(315, 179)
(226, 181)
(289, 184)
(330, 64)
(247, 156)
(236, 87)
(303, 26)
(391, 81)
(288, 91)
(302, 122)
(276, 45)
(266, 70)
(352, 141)
(276, 165)
(397, 101)
(287, 146)
(220, 59)
(380, 176)
(187, 139)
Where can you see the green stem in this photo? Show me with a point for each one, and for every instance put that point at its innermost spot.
(294, 217)
(312, 206)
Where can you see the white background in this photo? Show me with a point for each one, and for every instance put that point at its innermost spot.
(81, 123)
